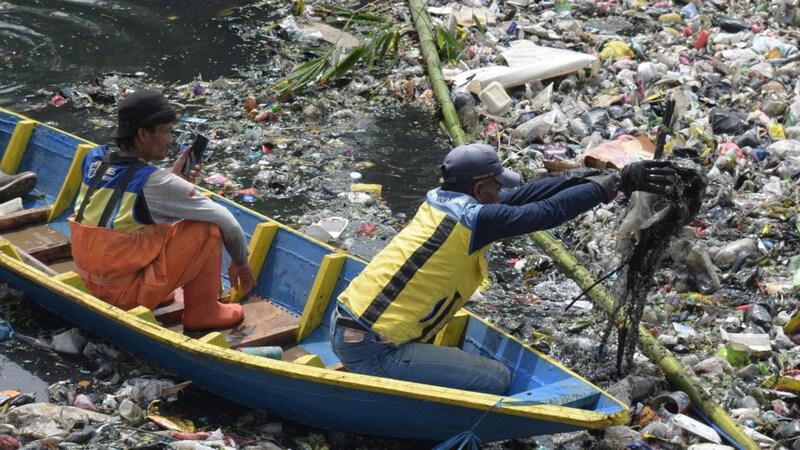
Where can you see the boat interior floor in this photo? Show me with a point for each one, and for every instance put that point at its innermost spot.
(264, 323)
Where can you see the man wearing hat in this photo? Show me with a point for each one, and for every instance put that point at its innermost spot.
(415, 285)
(140, 232)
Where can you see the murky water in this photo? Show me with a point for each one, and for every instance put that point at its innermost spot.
(46, 45)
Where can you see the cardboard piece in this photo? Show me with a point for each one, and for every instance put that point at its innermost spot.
(618, 153)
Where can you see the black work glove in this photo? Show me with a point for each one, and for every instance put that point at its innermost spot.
(654, 176)
(607, 179)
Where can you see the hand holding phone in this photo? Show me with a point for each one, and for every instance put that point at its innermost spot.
(196, 155)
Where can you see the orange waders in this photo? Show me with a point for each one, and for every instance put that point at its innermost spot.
(143, 267)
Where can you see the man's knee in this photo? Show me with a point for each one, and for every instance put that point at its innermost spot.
(199, 228)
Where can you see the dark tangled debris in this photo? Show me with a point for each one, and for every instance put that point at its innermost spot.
(644, 234)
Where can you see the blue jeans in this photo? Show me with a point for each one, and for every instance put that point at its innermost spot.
(360, 352)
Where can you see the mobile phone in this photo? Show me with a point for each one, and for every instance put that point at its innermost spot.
(196, 156)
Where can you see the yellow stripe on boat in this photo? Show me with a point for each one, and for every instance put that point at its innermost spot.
(72, 183)
(17, 145)
(320, 294)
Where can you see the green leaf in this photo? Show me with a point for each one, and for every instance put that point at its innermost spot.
(449, 47)
(478, 24)
(345, 65)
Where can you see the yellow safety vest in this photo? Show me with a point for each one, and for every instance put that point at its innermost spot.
(112, 196)
(415, 285)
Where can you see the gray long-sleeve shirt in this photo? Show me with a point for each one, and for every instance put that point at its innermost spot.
(170, 199)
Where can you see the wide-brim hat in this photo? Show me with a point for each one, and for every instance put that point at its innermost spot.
(142, 108)
(474, 162)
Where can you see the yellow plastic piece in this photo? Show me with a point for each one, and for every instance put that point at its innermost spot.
(320, 294)
(215, 338)
(143, 313)
(374, 189)
(72, 183)
(310, 360)
(792, 324)
(616, 49)
(776, 131)
(16, 146)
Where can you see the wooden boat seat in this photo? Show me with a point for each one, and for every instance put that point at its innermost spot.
(19, 219)
(37, 243)
(53, 251)
(568, 392)
(171, 313)
(264, 324)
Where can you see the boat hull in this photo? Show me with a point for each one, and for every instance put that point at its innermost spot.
(294, 271)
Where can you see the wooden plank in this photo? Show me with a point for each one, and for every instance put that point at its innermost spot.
(31, 236)
(320, 294)
(16, 146)
(171, 313)
(292, 353)
(54, 251)
(451, 334)
(259, 247)
(27, 258)
(24, 217)
(63, 266)
(264, 324)
(71, 184)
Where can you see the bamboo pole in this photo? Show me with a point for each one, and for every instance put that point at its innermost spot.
(422, 22)
(568, 264)
(647, 343)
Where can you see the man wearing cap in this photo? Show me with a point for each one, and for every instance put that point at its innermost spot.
(415, 285)
(140, 232)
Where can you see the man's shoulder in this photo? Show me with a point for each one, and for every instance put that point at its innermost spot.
(462, 207)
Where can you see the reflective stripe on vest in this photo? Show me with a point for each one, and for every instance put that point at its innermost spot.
(112, 196)
(415, 285)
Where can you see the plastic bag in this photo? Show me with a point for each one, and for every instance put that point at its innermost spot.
(726, 122)
(615, 50)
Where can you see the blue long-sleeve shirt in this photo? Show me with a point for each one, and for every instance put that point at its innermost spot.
(536, 206)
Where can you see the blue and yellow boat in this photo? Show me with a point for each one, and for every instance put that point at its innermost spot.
(297, 279)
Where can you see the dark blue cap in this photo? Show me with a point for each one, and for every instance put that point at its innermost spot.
(474, 162)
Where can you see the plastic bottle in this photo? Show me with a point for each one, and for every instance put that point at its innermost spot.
(272, 352)
(130, 411)
(702, 38)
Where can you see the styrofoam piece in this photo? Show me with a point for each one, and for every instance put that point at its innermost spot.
(334, 226)
(746, 342)
(464, 14)
(526, 63)
(317, 232)
(749, 342)
(696, 428)
(495, 99)
(13, 205)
